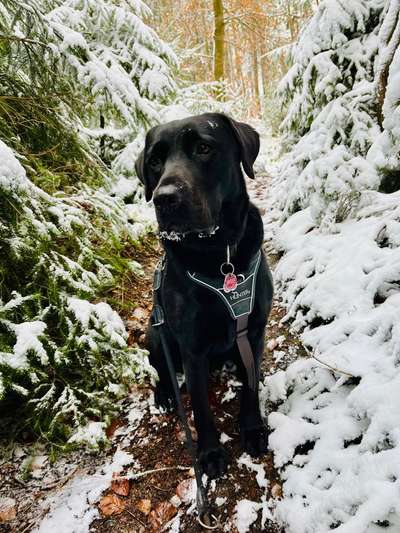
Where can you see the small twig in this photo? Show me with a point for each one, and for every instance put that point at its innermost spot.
(159, 488)
(136, 518)
(60, 482)
(23, 40)
(328, 365)
(333, 368)
(155, 470)
(31, 523)
(27, 527)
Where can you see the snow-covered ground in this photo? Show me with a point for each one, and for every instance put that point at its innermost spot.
(336, 427)
(335, 422)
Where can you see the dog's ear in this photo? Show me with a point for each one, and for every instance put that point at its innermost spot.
(249, 143)
(140, 167)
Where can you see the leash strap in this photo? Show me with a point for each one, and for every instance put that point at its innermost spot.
(241, 317)
(158, 320)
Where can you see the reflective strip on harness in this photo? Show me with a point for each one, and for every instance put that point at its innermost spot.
(240, 301)
(157, 316)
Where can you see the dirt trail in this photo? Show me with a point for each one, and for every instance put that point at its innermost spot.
(165, 449)
(155, 442)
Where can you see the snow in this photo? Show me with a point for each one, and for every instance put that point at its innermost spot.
(246, 514)
(349, 475)
(246, 460)
(11, 171)
(72, 510)
(174, 524)
(91, 434)
(27, 340)
(101, 315)
(223, 438)
(335, 427)
(274, 387)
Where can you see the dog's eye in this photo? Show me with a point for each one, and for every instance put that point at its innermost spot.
(154, 162)
(203, 148)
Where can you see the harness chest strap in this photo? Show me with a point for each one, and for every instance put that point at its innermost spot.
(239, 302)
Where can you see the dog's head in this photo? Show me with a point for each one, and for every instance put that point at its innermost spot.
(191, 167)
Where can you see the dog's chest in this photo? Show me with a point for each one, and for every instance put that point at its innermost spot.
(199, 320)
(200, 314)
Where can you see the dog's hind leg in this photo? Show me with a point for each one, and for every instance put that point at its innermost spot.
(253, 432)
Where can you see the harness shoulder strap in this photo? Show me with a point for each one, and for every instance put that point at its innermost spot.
(246, 353)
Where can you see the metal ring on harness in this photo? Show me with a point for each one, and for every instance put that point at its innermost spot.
(208, 516)
(221, 268)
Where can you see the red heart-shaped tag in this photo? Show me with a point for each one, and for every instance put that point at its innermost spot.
(230, 282)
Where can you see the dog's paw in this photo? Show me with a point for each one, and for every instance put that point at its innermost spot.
(254, 440)
(213, 461)
(164, 399)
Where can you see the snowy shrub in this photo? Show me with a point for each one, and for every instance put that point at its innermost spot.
(119, 62)
(331, 120)
(63, 360)
(200, 98)
(79, 80)
(335, 214)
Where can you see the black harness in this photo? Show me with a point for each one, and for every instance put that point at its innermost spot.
(239, 302)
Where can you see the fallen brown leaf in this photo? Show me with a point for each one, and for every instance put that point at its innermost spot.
(185, 490)
(7, 509)
(115, 424)
(144, 506)
(121, 486)
(276, 491)
(162, 514)
(111, 504)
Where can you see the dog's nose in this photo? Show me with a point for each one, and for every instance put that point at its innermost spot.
(167, 197)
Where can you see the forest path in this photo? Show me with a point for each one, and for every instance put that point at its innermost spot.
(144, 481)
(250, 486)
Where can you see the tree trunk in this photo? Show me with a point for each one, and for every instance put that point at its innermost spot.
(219, 40)
(257, 103)
(392, 44)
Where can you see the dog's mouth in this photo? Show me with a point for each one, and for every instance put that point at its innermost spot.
(177, 236)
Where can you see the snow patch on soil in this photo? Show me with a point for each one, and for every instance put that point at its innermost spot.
(72, 509)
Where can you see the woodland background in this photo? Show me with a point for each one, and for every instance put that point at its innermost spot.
(80, 83)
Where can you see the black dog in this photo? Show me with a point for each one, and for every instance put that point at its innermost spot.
(192, 169)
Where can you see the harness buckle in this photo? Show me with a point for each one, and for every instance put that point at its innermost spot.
(157, 316)
(158, 273)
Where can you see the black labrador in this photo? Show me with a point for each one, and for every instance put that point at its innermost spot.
(192, 168)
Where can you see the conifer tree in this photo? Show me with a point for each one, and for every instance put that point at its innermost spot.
(331, 120)
(67, 68)
(338, 227)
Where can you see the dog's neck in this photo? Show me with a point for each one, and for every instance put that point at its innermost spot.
(240, 227)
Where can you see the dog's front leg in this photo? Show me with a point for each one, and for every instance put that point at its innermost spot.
(212, 456)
